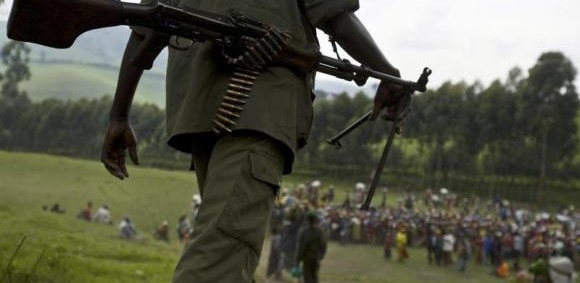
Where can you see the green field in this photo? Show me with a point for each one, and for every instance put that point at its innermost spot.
(74, 81)
(77, 251)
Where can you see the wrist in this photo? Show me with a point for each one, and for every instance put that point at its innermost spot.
(118, 119)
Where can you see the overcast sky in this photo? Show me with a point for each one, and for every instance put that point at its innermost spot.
(467, 40)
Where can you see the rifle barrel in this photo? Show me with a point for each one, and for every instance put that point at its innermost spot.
(341, 66)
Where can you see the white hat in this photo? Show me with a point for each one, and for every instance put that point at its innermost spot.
(196, 198)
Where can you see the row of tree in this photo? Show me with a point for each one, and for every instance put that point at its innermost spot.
(521, 126)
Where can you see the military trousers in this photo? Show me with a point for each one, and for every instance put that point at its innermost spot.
(238, 176)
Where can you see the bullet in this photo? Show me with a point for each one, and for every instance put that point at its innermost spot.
(244, 76)
(246, 71)
(269, 49)
(240, 81)
(234, 100)
(225, 119)
(233, 107)
(260, 48)
(239, 87)
(229, 113)
(261, 60)
(220, 127)
(238, 94)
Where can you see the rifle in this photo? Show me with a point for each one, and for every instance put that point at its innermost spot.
(57, 24)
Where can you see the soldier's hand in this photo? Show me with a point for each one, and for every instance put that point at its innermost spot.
(387, 96)
(119, 139)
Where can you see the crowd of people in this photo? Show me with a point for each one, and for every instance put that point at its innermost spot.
(126, 227)
(454, 231)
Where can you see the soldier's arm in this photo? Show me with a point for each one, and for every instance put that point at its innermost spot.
(120, 136)
(355, 39)
(129, 76)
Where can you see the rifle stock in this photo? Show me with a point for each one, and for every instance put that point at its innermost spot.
(57, 23)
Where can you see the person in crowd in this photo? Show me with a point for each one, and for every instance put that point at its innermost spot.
(561, 267)
(401, 239)
(431, 241)
(439, 247)
(57, 209)
(183, 229)
(195, 203)
(87, 212)
(448, 245)
(274, 270)
(502, 270)
(330, 194)
(388, 246)
(161, 233)
(521, 274)
(539, 268)
(127, 230)
(518, 246)
(463, 254)
(103, 215)
(289, 239)
(487, 249)
(311, 249)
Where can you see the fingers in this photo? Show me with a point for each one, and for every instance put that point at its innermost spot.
(133, 154)
(114, 161)
(121, 163)
(113, 168)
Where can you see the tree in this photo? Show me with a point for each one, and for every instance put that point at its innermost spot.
(15, 57)
(549, 109)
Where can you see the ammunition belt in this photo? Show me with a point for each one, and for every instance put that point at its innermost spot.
(247, 66)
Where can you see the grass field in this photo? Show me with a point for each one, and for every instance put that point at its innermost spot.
(77, 251)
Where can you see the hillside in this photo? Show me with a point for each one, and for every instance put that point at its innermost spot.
(74, 81)
(67, 250)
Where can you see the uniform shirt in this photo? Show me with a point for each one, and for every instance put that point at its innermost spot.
(281, 100)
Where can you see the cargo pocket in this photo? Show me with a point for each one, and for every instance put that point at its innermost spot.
(266, 170)
(246, 213)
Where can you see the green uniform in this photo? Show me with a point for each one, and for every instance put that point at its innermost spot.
(239, 173)
(281, 101)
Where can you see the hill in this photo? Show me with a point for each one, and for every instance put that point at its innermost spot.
(65, 249)
(74, 81)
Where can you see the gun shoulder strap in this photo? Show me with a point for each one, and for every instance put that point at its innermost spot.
(308, 28)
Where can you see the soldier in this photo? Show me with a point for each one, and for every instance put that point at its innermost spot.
(238, 173)
(311, 249)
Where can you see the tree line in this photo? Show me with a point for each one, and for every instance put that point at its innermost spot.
(522, 127)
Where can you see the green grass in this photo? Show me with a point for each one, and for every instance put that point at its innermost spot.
(78, 251)
(74, 81)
